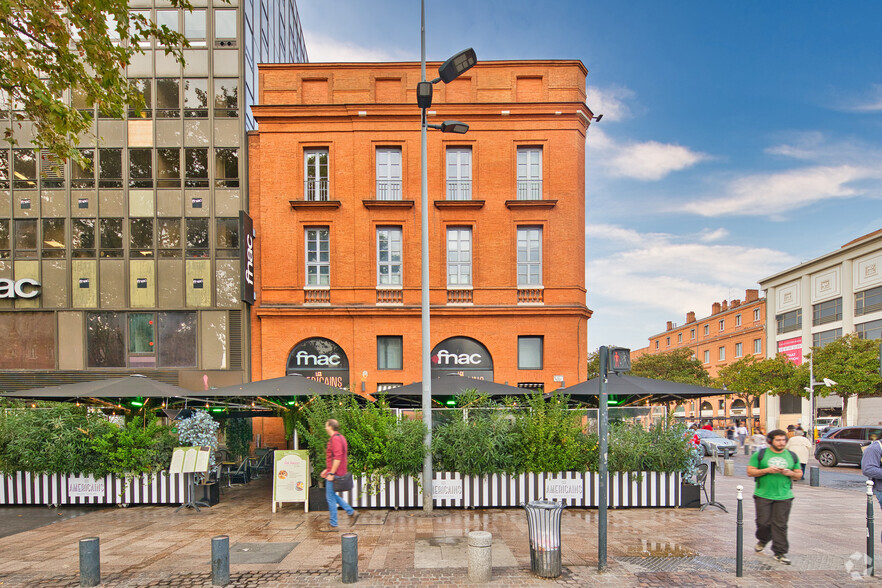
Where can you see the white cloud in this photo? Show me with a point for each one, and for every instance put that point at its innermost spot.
(323, 48)
(610, 102)
(871, 101)
(648, 160)
(709, 236)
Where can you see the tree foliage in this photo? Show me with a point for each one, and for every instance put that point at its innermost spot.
(50, 46)
(851, 362)
(676, 365)
(750, 378)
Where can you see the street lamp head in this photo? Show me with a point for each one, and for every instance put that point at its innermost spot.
(454, 126)
(457, 65)
(424, 94)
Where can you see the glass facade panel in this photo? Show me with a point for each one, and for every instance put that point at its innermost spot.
(4, 169)
(5, 241)
(177, 339)
(168, 98)
(141, 238)
(82, 237)
(111, 243)
(140, 168)
(144, 87)
(197, 237)
(83, 177)
(168, 236)
(226, 167)
(54, 241)
(168, 168)
(168, 18)
(194, 27)
(227, 237)
(196, 98)
(196, 161)
(105, 339)
(226, 97)
(24, 169)
(142, 335)
(110, 168)
(25, 238)
(225, 24)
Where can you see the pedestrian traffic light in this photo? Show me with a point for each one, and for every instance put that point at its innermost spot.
(619, 359)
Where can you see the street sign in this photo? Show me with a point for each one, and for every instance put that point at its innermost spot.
(619, 359)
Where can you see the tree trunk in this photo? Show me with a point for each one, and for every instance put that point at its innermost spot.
(748, 403)
(844, 410)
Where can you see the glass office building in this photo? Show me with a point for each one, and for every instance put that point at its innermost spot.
(133, 266)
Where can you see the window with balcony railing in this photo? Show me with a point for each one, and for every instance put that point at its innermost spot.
(459, 173)
(529, 173)
(315, 184)
(388, 173)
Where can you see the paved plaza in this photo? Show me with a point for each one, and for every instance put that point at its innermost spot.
(154, 546)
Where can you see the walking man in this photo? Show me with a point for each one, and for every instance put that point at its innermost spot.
(871, 467)
(741, 433)
(774, 468)
(336, 458)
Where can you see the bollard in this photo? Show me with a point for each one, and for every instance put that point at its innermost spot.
(729, 467)
(739, 535)
(814, 476)
(90, 562)
(746, 449)
(480, 557)
(349, 544)
(871, 534)
(220, 560)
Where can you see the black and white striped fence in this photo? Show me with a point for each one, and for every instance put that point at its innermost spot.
(581, 489)
(28, 488)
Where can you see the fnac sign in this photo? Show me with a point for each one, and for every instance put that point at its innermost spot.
(321, 360)
(24, 288)
(464, 356)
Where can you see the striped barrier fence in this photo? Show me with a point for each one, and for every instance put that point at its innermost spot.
(55, 489)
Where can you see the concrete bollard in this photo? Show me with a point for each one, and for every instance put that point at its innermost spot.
(729, 467)
(220, 560)
(349, 545)
(90, 562)
(480, 556)
(746, 449)
(814, 476)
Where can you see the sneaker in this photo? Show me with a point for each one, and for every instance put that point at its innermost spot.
(328, 529)
(783, 559)
(759, 547)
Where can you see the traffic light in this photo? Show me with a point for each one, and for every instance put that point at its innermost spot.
(619, 359)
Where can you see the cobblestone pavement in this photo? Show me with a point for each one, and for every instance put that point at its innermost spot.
(154, 546)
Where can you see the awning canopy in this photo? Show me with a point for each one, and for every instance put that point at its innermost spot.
(275, 387)
(134, 386)
(635, 389)
(453, 385)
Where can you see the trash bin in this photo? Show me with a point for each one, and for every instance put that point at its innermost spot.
(543, 522)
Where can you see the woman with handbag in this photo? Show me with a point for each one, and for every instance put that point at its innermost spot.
(337, 478)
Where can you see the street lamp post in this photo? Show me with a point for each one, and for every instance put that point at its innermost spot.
(449, 71)
(811, 390)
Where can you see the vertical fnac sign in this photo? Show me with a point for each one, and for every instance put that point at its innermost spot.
(246, 256)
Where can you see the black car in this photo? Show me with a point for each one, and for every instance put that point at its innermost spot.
(845, 445)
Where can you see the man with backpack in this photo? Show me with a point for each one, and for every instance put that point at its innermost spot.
(775, 468)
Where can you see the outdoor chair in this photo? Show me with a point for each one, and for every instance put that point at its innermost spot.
(240, 475)
(701, 480)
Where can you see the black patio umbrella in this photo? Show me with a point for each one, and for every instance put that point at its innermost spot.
(454, 385)
(134, 386)
(634, 388)
(282, 387)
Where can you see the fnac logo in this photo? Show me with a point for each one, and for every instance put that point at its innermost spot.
(306, 359)
(443, 357)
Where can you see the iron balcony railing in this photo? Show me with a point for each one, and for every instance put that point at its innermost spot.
(459, 189)
(529, 189)
(315, 190)
(388, 189)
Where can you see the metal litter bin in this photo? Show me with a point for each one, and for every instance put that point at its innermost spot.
(543, 522)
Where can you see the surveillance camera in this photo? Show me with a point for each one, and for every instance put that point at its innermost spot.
(829, 383)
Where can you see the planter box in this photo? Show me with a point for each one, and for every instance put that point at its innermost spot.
(690, 496)
(580, 489)
(54, 489)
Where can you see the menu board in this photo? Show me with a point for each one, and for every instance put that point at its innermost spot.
(291, 477)
(189, 460)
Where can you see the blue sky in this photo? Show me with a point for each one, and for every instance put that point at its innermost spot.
(738, 138)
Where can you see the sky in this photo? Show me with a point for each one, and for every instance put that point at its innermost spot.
(738, 138)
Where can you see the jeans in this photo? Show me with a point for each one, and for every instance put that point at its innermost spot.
(771, 522)
(333, 500)
(742, 439)
(878, 494)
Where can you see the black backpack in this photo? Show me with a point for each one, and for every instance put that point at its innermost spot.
(762, 452)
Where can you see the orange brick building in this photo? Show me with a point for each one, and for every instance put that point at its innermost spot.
(335, 196)
(733, 330)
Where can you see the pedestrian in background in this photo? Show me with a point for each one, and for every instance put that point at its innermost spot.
(759, 439)
(741, 433)
(802, 447)
(336, 462)
(791, 431)
(871, 467)
(730, 433)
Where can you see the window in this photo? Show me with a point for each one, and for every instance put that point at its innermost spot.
(194, 27)
(737, 320)
(197, 237)
(868, 301)
(870, 330)
(459, 173)
(82, 237)
(141, 238)
(529, 256)
(756, 315)
(53, 238)
(823, 338)
(692, 334)
(24, 169)
(530, 353)
(827, 312)
(79, 99)
(225, 24)
(757, 346)
(848, 434)
(196, 162)
(722, 325)
(388, 173)
(707, 357)
(739, 349)
(227, 237)
(110, 168)
(168, 97)
(459, 257)
(756, 402)
(668, 341)
(316, 174)
(142, 339)
(196, 98)
(144, 88)
(25, 238)
(656, 344)
(679, 337)
(168, 168)
(4, 169)
(177, 339)
(168, 237)
(105, 339)
(789, 321)
(111, 241)
(51, 170)
(529, 173)
(389, 353)
(168, 18)
(789, 403)
(706, 330)
(5, 242)
(722, 405)
(226, 97)
(83, 177)
(318, 256)
(134, 16)
(140, 168)
(226, 167)
(389, 256)
(722, 351)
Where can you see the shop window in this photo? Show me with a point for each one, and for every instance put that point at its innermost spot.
(141, 238)
(196, 98)
(53, 238)
(226, 97)
(110, 168)
(177, 339)
(227, 237)
(105, 339)
(168, 97)
(226, 167)
(5, 242)
(194, 27)
(83, 176)
(389, 255)
(530, 353)
(25, 238)
(318, 256)
(197, 237)
(82, 237)
(390, 353)
(459, 257)
(168, 168)
(111, 237)
(143, 88)
(142, 339)
(168, 237)
(24, 169)
(140, 168)
(196, 162)
(529, 246)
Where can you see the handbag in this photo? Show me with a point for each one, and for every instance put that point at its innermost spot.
(343, 483)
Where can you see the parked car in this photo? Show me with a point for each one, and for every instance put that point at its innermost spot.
(711, 443)
(845, 445)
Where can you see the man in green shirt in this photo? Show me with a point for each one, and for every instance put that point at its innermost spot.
(774, 468)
